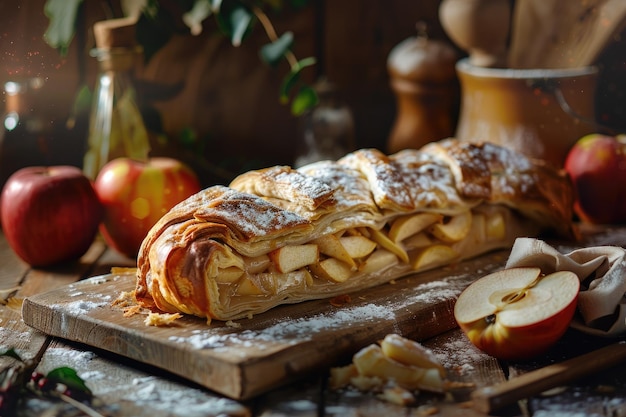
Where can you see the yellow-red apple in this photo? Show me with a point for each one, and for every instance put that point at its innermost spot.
(596, 165)
(136, 194)
(49, 215)
(517, 313)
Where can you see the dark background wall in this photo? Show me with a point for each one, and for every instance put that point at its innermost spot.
(229, 98)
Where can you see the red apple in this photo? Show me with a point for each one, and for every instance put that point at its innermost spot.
(49, 214)
(136, 194)
(597, 166)
(517, 313)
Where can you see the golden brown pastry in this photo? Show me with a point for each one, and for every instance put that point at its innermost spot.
(281, 235)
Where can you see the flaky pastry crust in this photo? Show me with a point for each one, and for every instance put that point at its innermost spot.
(269, 238)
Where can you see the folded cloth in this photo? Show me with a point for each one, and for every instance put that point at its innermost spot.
(602, 273)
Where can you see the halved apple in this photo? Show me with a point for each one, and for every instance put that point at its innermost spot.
(332, 269)
(292, 257)
(517, 313)
(455, 229)
(406, 226)
(434, 255)
(330, 245)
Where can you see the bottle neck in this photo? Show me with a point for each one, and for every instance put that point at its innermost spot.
(117, 59)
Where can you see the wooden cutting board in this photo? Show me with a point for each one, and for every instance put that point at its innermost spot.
(252, 356)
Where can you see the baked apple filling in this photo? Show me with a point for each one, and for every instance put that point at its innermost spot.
(414, 242)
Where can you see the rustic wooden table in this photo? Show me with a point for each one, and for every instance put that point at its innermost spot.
(123, 387)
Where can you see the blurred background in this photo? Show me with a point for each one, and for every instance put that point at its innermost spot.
(217, 106)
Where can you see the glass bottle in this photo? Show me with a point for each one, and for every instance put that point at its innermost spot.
(327, 130)
(116, 126)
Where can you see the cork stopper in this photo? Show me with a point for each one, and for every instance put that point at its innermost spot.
(115, 33)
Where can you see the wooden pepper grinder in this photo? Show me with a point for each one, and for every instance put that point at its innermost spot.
(423, 79)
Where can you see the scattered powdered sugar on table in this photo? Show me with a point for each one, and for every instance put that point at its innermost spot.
(57, 357)
(163, 395)
(459, 356)
(155, 396)
(23, 338)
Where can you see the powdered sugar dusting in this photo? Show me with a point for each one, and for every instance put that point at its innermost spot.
(23, 338)
(288, 331)
(150, 393)
(460, 356)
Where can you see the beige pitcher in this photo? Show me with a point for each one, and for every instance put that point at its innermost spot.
(539, 112)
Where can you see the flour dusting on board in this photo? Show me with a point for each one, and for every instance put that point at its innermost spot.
(291, 331)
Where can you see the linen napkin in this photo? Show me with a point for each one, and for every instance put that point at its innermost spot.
(602, 273)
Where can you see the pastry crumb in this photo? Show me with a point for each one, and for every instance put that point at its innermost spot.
(427, 410)
(161, 319)
(397, 395)
(132, 310)
(125, 299)
(340, 300)
(233, 324)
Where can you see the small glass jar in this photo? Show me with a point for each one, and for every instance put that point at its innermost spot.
(326, 132)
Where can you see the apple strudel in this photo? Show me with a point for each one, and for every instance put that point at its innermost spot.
(282, 235)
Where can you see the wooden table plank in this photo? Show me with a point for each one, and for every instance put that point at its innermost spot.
(123, 388)
(268, 350)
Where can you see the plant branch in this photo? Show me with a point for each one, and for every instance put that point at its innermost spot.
(271, 33)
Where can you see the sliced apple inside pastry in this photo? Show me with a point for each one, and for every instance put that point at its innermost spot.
(455, 229)
(332, 269)
(409, 225)
(495, 226)
(388, 244)
(330, 245)
(290, 258)
(357, 246)
(434, 256)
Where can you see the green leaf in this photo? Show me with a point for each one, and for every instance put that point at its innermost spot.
(215, 5)
(235, 20)
(272, 53)
(305, 99)
(291, 80)
(12, 354)
(62, 23)
(305, 62)
(68, 377)
(82, 101)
